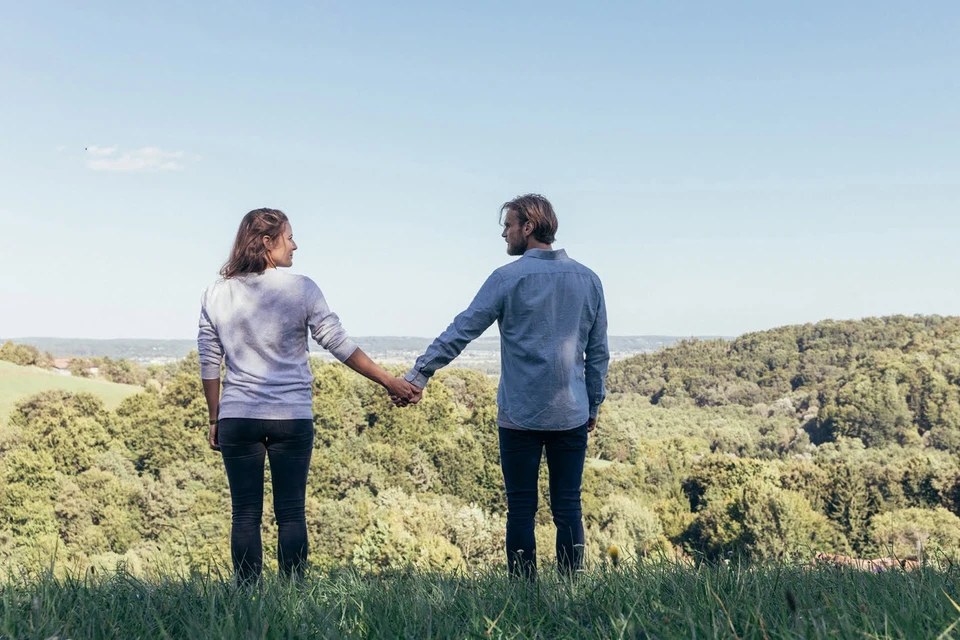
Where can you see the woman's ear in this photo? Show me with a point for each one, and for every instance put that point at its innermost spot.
(268, 243)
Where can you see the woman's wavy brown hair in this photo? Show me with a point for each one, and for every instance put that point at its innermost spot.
(249, 254)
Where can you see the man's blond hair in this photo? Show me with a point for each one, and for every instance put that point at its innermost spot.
(536, 209)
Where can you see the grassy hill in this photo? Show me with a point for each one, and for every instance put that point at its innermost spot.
(17, 383)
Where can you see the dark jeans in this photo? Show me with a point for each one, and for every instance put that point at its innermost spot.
(520, 453)
(289, 443)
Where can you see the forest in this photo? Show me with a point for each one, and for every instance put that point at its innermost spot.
(838, 437)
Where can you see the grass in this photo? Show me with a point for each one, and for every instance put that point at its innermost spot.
(17, 383)
(650, 601)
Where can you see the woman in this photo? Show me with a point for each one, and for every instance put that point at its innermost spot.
(256, 319)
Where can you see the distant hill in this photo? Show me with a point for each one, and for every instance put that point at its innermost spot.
(383, 348)
(131, 349)
(877, 379)
(17, 383)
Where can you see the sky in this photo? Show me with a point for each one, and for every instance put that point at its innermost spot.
(723, 167)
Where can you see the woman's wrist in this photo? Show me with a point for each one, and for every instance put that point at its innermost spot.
(379, 374)
(387, 382)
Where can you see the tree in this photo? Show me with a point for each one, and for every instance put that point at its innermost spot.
(848, 504)
(874, 411)
(24, 355)
(73, 428)
(28, 485)
(630, 526)
(931, 533)
(779, 524)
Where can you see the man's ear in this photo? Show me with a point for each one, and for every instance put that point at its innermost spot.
(527, 229)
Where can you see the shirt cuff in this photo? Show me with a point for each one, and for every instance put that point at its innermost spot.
(594, 412)
(209, 371)
(416, 378)
(343, 350)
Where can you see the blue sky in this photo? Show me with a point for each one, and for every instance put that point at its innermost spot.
(724, 167)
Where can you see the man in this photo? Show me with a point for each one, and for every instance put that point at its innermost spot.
(553, 345)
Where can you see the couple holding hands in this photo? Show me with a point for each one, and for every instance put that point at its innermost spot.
(553, 342)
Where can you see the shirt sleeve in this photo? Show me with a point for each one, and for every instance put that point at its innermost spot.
(208, 345)
(486, 307)
(597, 359)
(325, 325)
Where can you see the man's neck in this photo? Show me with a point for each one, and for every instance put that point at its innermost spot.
(533, 244)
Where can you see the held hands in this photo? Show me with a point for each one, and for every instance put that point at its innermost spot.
(402, 393)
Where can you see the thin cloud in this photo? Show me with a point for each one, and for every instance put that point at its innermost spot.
(144, 159)
(100, 151)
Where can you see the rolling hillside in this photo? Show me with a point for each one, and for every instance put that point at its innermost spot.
(17, 383)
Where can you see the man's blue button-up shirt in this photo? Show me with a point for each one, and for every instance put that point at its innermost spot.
(553, 341)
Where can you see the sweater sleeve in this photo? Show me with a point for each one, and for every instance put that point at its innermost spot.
(325, 325)
(208, 344)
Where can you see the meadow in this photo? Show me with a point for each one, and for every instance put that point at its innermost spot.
(651, 600)
(17, 383)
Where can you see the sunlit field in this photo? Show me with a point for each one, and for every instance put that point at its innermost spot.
(17, 383)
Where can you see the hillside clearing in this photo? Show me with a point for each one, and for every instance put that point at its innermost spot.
(17, 383)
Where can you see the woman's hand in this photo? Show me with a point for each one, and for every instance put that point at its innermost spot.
(213, 436)
(211, 391)
(403, 393)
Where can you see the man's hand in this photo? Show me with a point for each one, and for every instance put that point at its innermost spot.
(403, 393)
(591, 425)
(401, 402)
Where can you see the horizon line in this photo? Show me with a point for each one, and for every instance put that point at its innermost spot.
(361, 337)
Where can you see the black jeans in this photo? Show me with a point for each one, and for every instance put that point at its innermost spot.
(520, 453)
(289, 443)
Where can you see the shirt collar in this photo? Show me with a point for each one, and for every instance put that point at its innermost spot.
(544, 254)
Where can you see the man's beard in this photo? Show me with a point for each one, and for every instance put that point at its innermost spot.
(516, 249)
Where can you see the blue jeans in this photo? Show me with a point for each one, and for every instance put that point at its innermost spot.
(520, 453)
(289, 443)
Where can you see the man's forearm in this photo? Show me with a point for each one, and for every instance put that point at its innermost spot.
(447, 346)
(596, 398)
(595, 376)
(466, 327)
